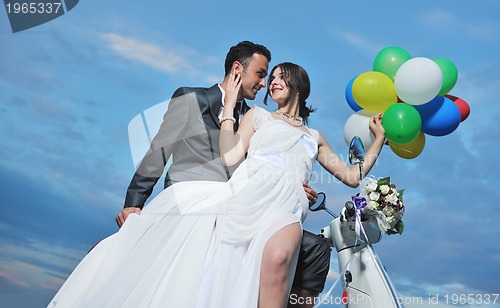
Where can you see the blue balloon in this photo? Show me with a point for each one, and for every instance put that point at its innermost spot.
(440, 116)
(349, 98)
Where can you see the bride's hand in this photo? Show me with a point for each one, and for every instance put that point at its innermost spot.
(232, 91)
(376, 126)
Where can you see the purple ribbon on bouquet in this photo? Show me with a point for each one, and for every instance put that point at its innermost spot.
(360, 203)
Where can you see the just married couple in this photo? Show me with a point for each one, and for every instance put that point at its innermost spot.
(227, 229)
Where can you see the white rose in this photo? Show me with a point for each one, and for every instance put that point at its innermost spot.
(384, 189)
(371, 186)
(372, 205)
(388, 211)
(392, 222)
(392, 198)
(374, 196)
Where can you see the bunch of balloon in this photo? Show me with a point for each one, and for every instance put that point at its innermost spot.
(412, 94)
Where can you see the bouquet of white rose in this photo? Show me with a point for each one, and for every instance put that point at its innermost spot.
(385, 203)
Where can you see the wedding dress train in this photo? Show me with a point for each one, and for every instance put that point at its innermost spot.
(199, 243)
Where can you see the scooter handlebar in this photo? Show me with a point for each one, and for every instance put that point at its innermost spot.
(350, 209)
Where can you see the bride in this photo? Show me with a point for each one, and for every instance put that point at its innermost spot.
(200, 243)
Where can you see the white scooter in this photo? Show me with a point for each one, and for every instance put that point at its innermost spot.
(364, 278)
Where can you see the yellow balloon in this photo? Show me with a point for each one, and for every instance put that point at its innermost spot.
(411, 149)
(374, 91)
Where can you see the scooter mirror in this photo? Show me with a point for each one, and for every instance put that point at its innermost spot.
(356, 151)
(320, 203)
(357, 154)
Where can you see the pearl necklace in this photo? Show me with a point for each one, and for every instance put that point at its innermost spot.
(288, 118)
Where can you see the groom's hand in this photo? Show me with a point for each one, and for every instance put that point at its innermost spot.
(311, 194)
(122, 216)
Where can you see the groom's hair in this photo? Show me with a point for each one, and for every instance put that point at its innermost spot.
(242, 52)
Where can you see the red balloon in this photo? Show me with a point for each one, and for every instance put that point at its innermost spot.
(462, 106)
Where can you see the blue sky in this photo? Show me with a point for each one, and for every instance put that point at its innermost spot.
(70, 87)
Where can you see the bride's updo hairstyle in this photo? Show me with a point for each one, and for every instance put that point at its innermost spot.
(297, 80)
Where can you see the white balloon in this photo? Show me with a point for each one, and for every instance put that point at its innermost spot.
(358, 124)
(418, 81)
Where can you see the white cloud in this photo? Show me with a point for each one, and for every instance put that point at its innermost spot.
(438, 17)
(146, 53)
(35, 264)
(485, 29)
(172, 59)
(440, 295)
(479, 88)
(356, 40)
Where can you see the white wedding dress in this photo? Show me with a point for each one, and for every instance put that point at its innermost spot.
(199, 244)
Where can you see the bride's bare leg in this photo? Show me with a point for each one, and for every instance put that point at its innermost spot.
(279, 252)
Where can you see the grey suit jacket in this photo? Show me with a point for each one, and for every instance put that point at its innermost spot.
(190, 134)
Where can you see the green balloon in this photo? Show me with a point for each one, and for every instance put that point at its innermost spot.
(389, 59)
(402, 123)
(450, 74)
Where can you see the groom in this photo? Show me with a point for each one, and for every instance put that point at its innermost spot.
(190, 134)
